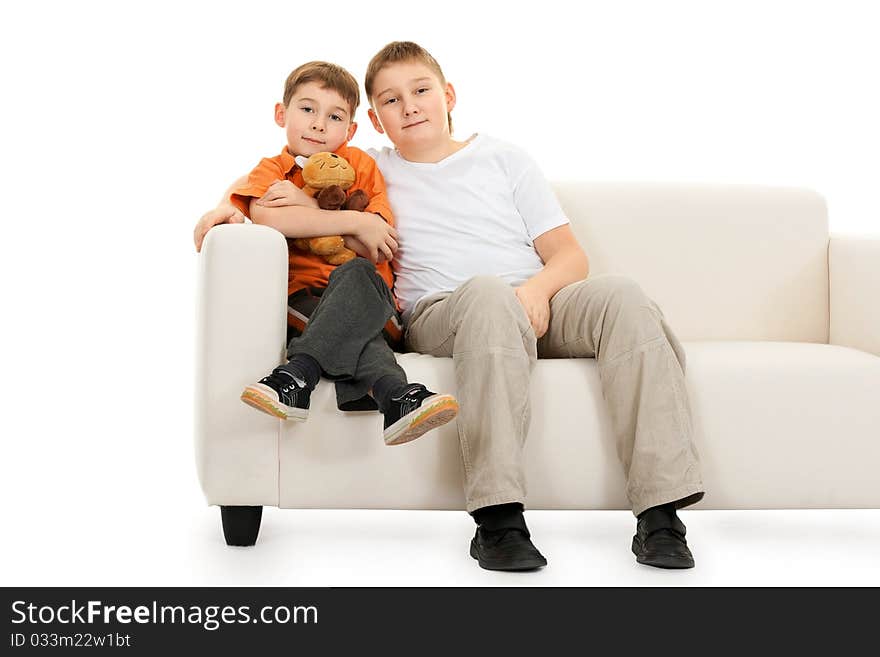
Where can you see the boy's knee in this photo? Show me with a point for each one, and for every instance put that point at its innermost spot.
(489, 289)
(620, 290)
(490, 301)
(353, 266)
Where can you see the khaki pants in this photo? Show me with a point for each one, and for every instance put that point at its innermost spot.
(641, 366)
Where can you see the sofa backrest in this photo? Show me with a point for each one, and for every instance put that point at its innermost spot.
(723, 262)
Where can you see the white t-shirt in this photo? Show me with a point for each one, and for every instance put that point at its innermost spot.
(478, 211)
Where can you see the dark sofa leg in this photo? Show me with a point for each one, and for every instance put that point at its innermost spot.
(241, 524)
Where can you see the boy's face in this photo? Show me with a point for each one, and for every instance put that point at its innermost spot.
(411, 105)
(316, 120)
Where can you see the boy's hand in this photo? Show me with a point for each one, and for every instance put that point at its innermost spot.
(222, 214)
(537, 307)
(377, 237)
(358, 247)
(282, 193)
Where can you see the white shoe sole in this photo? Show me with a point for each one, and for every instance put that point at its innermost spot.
(263, 398)
(434, 412)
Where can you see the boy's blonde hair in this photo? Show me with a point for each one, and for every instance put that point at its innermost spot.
(329, 76)
(401, 51)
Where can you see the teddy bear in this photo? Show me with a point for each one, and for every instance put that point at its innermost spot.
(327, 176)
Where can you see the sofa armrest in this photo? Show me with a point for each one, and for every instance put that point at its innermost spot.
(240, 337)
(854, 288)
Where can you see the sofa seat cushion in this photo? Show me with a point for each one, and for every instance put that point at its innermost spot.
(769, 416)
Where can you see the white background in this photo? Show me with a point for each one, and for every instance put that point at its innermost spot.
(123, 122)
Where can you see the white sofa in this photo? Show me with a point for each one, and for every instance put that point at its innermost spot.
(780, 322)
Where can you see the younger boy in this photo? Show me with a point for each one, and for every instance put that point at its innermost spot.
(339, 317)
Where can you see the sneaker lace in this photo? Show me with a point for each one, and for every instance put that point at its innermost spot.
(282, 382)
(414, 393)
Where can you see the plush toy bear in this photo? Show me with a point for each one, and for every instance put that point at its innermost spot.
(327, 176)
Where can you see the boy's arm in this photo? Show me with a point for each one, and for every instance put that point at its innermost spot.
(378, 238)
(282, 193)
(302, 221)
(564, 262)
(224, 213)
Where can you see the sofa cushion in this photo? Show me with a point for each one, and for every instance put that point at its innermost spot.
(776, 423)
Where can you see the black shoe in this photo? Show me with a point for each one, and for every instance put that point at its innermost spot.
(279, 395)
(414, 411)
(659, 539)
(505, 549)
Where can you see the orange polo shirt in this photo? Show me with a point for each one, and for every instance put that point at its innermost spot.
(307, 269)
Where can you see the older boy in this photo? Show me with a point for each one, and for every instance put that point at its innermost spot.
(337, 315)
(538, 302)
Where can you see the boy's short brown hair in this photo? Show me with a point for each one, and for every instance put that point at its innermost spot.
(329, 76)
(401, 51)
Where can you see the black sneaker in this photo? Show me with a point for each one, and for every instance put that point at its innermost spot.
(279, 395)
(415, 411)
(506, 549)
(659, 540)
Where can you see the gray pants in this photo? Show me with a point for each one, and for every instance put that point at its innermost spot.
(345, 335)
(641, 365)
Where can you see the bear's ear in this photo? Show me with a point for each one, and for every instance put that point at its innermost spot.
(301, 161)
